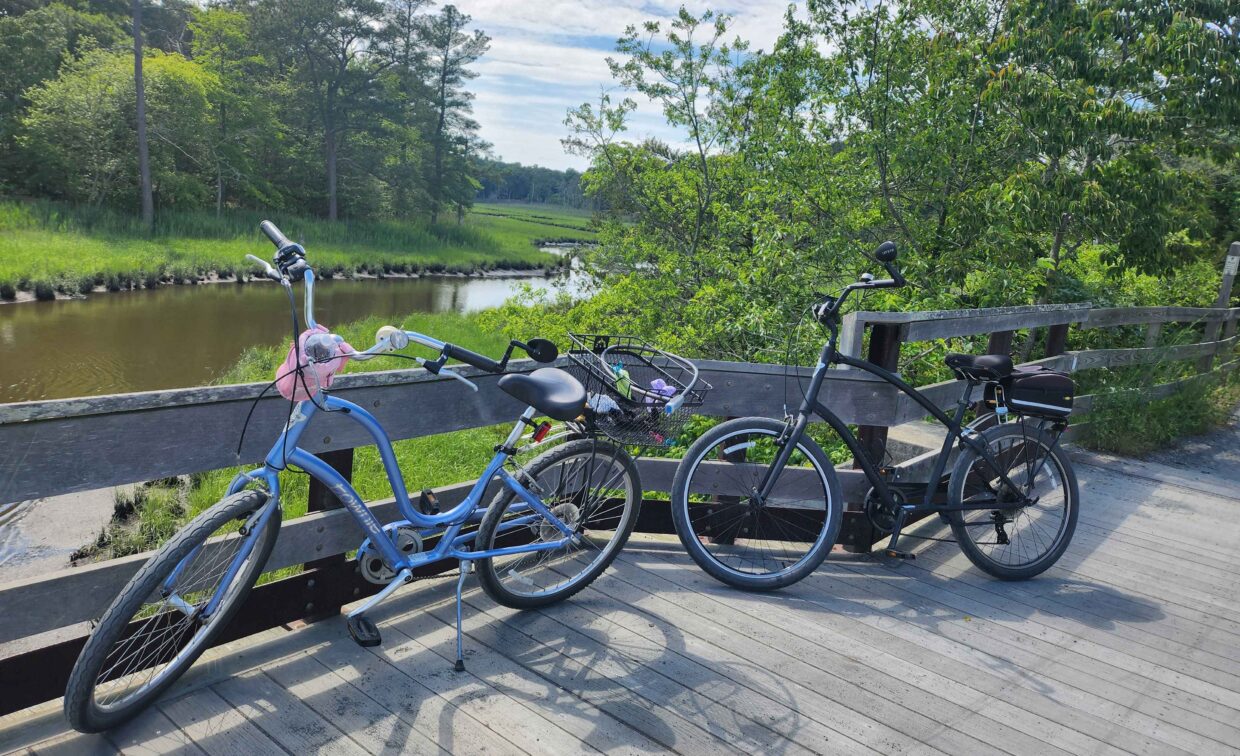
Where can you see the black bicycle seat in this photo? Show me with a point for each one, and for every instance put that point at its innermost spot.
(991, 367)
(551, 391)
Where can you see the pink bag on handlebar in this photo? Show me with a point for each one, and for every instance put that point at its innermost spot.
(314, 376)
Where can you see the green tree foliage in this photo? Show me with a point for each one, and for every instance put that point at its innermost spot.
(450, 51)
(33, 45)
(81, 125)
(513, 182)
(339, 108)
(1017, 151)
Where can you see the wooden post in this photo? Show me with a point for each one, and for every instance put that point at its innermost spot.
(322, 499)
(1056, 340)
(1000, 342)
(1152, 333)
(1231, 264)
(885, 339)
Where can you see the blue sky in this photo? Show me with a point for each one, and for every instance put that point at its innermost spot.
(550, 55)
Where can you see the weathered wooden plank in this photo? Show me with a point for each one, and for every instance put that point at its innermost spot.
(152, 733)
(373, 727)
(85, 449)
(598, 619)
(584, 721)
(770, 643)
(1034, 312)
(283, 717)
(679, 719)
(1109, 317)
(903, 704)
(215, 726)
(978, 323)
(396, 689)
(1090, 359)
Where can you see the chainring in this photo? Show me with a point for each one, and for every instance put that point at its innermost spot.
(881, 514)
(370, 562)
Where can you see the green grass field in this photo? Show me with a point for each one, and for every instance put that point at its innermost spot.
(48, 247)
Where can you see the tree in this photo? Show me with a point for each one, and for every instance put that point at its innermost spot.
(80, 137)
(333, 50)
(144, 155)
(246, 122)
(450, 51)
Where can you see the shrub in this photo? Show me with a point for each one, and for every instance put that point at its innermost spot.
(8, 290)
(43, 291)
(1125, 422)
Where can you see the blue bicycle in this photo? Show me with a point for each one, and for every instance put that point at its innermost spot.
(555, 525)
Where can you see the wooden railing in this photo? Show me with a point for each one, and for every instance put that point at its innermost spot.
(63, 446)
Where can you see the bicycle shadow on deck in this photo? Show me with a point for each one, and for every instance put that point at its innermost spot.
(608, 676)
(888, 606)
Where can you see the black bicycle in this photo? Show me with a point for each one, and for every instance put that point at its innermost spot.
(757, 503)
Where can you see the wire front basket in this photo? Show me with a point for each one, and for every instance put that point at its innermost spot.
(637, 394)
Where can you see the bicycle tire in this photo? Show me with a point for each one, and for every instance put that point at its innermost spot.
(492, 574)
(977, 552)
(84, 712)
(692, 534)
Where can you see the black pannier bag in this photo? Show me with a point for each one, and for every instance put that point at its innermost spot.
(1037, 393)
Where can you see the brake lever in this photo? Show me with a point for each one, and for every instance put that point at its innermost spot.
(268, 271)
(441, 370)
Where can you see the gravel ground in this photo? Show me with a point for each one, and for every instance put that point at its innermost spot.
(1215, 453)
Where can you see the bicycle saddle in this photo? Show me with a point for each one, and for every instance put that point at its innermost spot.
(981, 366)
(551, 391)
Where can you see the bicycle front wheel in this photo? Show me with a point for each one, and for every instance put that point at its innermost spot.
(744, 539)
(1006, 539)
(165, 617)
(589, 485)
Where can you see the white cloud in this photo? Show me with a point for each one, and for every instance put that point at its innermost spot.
(549, 56)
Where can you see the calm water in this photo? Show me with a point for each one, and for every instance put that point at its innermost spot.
(178, 336)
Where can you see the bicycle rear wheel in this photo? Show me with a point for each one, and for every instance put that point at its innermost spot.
(588, 484)
(734, 536)
(156, 628)
(1014, 542)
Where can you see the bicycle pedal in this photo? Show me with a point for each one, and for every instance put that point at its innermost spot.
(899, 554)
(363, 631)
(428, 502)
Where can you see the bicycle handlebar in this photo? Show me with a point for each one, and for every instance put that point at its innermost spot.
(480, 361)
(827, 311)
(273, 233)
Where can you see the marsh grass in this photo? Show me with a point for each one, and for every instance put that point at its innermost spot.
(49, 247)
(1124, 422)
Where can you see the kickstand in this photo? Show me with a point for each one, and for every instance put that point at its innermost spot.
(465, 566)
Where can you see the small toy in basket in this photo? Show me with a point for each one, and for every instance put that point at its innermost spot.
(638, 394)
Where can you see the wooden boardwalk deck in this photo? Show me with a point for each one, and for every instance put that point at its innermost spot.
(1130, 645)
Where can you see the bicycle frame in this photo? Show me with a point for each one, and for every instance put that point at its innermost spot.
(452, 545)
(956, 431)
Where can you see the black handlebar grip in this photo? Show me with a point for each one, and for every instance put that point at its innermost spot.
(480, 361)
(276, 236)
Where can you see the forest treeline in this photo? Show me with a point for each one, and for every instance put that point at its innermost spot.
(332, 108)
(1017, 151)
(513, 182)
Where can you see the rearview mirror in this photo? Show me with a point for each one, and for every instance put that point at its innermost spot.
(542, 350)
(886, 252)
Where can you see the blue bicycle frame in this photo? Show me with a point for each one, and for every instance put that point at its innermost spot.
(452, 545)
